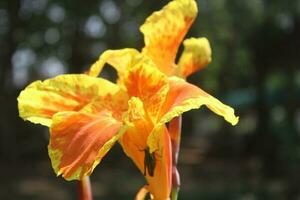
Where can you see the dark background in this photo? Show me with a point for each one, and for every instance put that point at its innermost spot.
(255, 69)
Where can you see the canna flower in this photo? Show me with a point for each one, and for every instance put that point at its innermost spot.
(87, 115)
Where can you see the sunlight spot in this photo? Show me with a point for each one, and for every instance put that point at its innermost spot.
(52, 67)
(285, 21)
(29, 7)
(94, 27)
(52, 36)
(56, 13)
(110, 11)
(21, 60)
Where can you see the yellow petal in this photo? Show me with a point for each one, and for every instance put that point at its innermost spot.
(79, 141)
(136, 120)
(121, 60)
(39, 101)
(196, 55)
(114, 102)
(142, 193)
(165, 29)
(134, 143)
(150, 85)
(183, 97)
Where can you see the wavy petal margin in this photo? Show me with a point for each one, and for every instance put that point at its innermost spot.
(196, 55)
(121, 60)
(165, 29)
(79, 141)
(39, 101)
(183, 97)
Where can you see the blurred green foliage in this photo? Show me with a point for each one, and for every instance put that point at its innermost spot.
(255, 69)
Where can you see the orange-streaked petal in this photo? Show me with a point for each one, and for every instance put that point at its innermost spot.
(138, 127)
(150, 85)
(117, 103)
(165, 29)
(79, 141)
(183, 97)
(142, 193)
(196, 55)
(120, 59)
(39, 101)
(134, 143)
(160, 183)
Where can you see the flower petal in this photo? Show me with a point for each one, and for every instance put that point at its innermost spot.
(39, 101)
(183, 97)
(160, 143)
(196, 55)
(142, 193)
(134, 143)
(150, 85)
(160, 183)
(138, 128)
(164, 30)
(120, 59)
(78, 141)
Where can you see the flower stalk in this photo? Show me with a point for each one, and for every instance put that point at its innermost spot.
(175, 133)
(84, 188)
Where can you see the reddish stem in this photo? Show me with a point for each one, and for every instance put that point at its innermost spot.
(85, 190)
(175, 133)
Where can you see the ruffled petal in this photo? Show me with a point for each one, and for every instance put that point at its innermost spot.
(121, 60)
(39, 101)
(79, 141)
(183, 97)
(150, 85)
(196, 55)
(165, 29)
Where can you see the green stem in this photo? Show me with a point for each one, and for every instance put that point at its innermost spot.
(175, 133)
(85, 190)
(174, 194)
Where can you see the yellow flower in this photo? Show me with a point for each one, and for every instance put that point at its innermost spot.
(87, 115)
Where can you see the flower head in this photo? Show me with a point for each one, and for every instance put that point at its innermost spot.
(87, 115)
